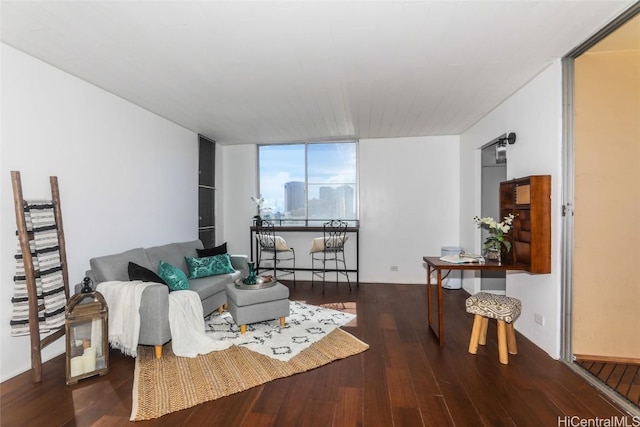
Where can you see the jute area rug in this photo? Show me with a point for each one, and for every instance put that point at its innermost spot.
(169, 384)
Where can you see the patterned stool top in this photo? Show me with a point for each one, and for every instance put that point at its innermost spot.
(499, 307)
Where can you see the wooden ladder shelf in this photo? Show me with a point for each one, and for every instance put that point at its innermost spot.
(38, 342)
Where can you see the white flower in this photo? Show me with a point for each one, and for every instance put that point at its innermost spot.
(497, 230)
(504, 226)
(258, 201)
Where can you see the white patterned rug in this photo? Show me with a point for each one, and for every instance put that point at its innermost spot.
(305, 325)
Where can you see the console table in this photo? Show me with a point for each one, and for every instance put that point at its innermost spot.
(319, 230)
(435, 264)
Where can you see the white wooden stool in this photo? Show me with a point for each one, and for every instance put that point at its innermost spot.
(505, 310)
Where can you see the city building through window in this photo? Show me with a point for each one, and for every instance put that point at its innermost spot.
(310, 181)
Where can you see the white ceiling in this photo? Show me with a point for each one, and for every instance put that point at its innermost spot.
(276, 71)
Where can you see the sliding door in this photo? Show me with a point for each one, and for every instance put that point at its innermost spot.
(606, 250)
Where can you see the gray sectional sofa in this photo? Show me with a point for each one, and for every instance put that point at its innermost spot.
(154, 307)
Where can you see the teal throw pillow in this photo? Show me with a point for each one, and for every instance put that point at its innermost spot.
(209, 266)
(173, 276)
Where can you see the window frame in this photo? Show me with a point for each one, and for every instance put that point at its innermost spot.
(306, 145)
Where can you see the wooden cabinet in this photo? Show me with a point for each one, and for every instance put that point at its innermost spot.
(529, 200)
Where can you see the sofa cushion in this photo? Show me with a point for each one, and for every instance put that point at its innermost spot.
(267, 243)
(209, 266)
(218, 250)
(173, 276)
(334, 243)
(189, 248)
(211, 285)
(116, 267)
(138, 272)
(168, 253)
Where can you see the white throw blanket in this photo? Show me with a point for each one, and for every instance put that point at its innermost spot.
(186, 319)
(123, 300)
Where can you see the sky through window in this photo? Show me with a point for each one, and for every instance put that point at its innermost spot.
(325, 186)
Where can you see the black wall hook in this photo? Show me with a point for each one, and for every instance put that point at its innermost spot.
(510, 138)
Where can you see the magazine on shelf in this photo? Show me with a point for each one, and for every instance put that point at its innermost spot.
(463, 259)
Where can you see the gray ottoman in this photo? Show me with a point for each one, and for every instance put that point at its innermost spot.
(257, 305)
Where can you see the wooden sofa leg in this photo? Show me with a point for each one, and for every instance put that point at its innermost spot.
(158, 351)
(243, 329)
(282, 322)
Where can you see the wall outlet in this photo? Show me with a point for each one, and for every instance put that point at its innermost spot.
(393, 268)
(539, 319)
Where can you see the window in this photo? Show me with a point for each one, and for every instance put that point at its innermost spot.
(313, 181)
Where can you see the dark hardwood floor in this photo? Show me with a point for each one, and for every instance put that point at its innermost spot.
(404, 379)
(623, 378)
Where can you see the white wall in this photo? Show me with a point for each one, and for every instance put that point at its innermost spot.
(127, 177)
(534, 113)
(408, 204)
(236, 182)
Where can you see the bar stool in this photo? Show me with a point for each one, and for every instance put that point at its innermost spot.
(330, 247)
(505, 310)
(274, 248)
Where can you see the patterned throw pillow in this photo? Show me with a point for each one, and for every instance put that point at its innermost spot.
(209, 266)
(173, 276)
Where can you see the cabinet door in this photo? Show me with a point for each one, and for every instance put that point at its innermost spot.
(207, 237)
(206, 206)
(206, 191)
(207, 159)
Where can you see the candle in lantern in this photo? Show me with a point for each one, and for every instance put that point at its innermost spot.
(89, 357)
(77, 366)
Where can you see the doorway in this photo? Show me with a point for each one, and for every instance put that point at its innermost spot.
(493, 173)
